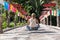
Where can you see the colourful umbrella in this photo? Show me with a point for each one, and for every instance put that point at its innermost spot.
(6, 5)
(24, 12)
(49, 5)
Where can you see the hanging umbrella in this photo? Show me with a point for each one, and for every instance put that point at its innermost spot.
(28, 17)
(46, 5)
(49, 5)
(41, 16)
(1, 2)
(23, 12)
(47, 9)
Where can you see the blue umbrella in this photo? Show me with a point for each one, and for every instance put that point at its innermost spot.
(6, 5)
(58, 12)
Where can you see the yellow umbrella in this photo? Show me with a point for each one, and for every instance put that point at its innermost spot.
(55, 13)
(11, 6)
(21, 15)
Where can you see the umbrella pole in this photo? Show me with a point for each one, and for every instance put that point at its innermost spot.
(1, 30)
(57, 13)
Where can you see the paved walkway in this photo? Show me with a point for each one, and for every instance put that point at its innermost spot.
(44, 33)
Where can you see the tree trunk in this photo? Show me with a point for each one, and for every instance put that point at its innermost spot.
(50, 19)
(58, 21)
(47, 20)
(7, 18)
(15, 20)
(57, 13)
(1, 30)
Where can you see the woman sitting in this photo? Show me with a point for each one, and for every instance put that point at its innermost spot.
(33, 23)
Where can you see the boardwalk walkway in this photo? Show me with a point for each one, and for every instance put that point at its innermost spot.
(44, 33)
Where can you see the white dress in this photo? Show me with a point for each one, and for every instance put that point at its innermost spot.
(32, 22)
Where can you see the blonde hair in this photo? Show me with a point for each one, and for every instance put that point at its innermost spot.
(33, 15)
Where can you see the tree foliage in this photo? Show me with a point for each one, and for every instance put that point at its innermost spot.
(32, 5)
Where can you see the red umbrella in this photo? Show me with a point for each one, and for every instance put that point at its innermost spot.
(46, 5)
(41, 16)
(24, 12)
(28, 17)
(49, 4)
(52, 4)
(44, 12)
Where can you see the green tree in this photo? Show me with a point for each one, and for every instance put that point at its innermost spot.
(36, 5)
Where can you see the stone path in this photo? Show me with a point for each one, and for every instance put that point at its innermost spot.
(44, 33)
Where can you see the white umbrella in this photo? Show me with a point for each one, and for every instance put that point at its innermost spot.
(1, 1)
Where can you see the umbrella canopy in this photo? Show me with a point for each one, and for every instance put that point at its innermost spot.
(23, 12)
(47, 9)
(27, 17)
(41, 16)
(1, 1)
(20, 9)
(49, 5)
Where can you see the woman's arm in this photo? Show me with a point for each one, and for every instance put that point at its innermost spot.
(37, 21)
(28, 22)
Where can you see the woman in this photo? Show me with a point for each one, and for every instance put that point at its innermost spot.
(33, 23)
